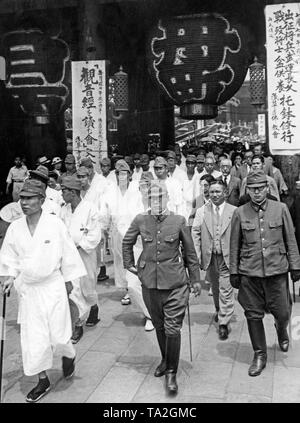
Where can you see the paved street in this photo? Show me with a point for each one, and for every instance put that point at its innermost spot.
(116, 360)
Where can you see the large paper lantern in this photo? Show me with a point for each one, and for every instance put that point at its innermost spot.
(199, 61)
(36, 71)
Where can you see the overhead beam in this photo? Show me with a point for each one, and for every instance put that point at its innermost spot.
(13, 6)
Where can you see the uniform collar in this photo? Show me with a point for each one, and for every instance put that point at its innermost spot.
(261, 206)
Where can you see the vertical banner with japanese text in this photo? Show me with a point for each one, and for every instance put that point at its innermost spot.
(89, 110)
(283, 71)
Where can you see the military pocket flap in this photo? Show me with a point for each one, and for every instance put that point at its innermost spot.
(275, 223)
(171, 238)
(147, 237)
(142, 264)
(248, 226)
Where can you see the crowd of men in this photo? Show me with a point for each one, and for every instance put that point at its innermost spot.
(164, 219)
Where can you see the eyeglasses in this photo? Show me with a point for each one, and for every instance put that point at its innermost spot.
(259, 189)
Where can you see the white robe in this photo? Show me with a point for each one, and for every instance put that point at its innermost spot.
(84, 227)
(41, 264)
(118, 211)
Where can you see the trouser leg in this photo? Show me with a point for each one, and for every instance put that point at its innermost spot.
(279, 303)
(226, 294)
(153, 300)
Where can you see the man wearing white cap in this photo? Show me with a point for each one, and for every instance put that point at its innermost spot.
(57, 164)
(41, 259)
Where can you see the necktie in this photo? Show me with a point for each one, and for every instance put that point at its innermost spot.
(225, 181)
(218, 214)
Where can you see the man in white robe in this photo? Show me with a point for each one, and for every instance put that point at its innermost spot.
(82, 220)
(40, 259)
(97, 185)
(121, 204)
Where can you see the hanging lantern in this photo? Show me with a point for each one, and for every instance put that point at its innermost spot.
(257, 83)
(199, 61)
(121, 91)
(36, 71)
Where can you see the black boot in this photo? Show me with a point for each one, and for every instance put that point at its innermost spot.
(92, 320)
(258, 340)
(172, 360)
(77, 334)
(161, 368)
(102, 274)
(283, 337)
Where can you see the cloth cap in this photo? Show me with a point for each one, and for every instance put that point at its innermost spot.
(70, 158)
(87, 162)
(32, 187)
(160, 161)
(11, 212)
(43, 160)
(144, 159)
(157, 189)
(82, 171)
(56, 160)
(256, 178)
(129, 160)
(191, 158)
(53, 174)
(171, 154)
(41, 171)
(71, 182)
(200, 158)
(122, 165)
(105, 161)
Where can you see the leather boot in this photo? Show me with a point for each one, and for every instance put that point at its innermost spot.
(93, 319)
(258, 340)
(161, 338)
(282, 334)
(102, 274)
(172, 360)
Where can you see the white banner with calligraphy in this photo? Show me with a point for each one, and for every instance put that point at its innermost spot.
(89, 110)
(283, 70)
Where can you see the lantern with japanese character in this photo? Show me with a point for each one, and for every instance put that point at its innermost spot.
(36, 71)
(199, 61)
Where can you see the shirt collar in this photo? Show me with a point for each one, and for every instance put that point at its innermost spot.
(261, 206)
(221, 207)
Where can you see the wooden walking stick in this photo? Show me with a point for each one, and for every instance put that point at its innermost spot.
(190, 334)
(2, 341)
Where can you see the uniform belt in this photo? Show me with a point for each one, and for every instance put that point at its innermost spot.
(18, 180)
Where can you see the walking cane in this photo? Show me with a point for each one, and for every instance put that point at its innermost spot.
(290, 316)
(2, 341)
(190, 334)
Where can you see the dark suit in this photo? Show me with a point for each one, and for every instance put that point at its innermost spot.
(233, 190)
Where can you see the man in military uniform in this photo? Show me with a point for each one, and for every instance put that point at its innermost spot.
(263, 249)
(161, 270)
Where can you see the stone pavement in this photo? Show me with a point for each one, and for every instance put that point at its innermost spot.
(116, 360)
